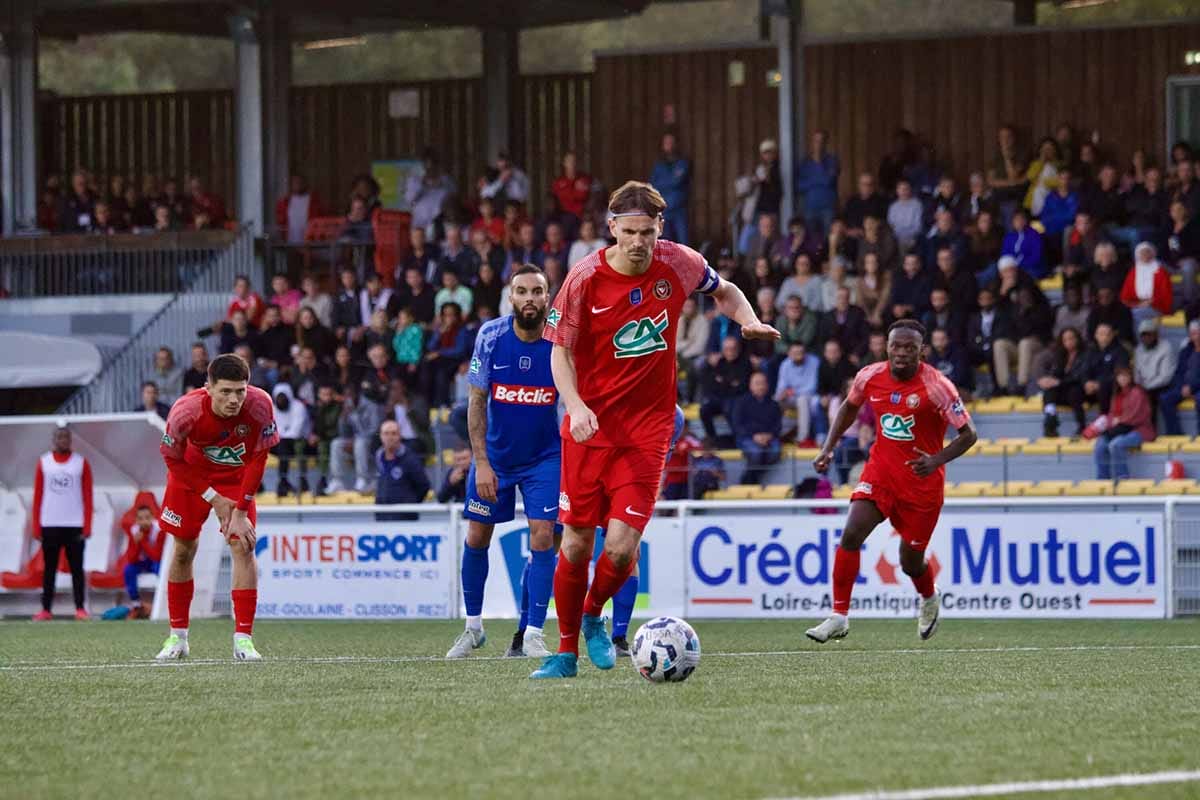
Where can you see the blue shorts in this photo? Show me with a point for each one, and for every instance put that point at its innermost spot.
(539, 489)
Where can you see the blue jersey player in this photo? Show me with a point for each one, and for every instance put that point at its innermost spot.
(512, 418)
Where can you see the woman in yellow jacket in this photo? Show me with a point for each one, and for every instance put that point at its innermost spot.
(1042, 175)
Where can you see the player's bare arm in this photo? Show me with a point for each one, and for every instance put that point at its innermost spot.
(583, 422)
(733, 304)
(841, 423)
(926, 463)
(485, 476)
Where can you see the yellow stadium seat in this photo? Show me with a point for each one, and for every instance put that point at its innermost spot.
(801, 453)
(731, 493)
(1053, 283)
(1090, 488)
(1174, 486)
(266, 499)
(1166, 444)
(272, 461)
(1176, 320)
(358, 498)
(1012, 488)
(776, 491)
(844, 491)
(1191, 446)
(731, 454)
(1053, 488)
(691, 412)
(1028, 405)
(978, 448)
(1044, 446)
(994, 405)
(966, 488)
(1009, 445)
(1134, 486)
(1188, 405)
(1078, 447)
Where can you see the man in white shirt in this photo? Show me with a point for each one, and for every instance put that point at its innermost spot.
(62, 517)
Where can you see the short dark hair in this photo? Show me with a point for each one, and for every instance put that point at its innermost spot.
(245, 278)
(149, 383)
(908, 324)
(529, 269)
(636, 196)
(228, 367)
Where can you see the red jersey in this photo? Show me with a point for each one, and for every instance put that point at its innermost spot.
(252, 306)
(202, 449)
(910, 415)
(621, 330)
(572, 193)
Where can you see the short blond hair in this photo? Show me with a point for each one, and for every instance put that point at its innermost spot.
(635, 196)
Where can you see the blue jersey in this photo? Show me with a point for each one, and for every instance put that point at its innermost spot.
(522, 422)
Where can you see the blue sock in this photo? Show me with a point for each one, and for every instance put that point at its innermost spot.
(623, 602)
(524, 599)
(541, 584)
(474, 576)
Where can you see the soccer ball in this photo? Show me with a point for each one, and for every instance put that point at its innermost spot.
(665, 649)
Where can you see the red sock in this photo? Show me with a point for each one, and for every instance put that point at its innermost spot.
(607, 581)
(179, 602)
(845, 572)
(245, 602)
(570, 586)
(924, 582)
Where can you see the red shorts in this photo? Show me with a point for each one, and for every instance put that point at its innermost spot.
(184, 511)
(914, 518)
(606, 483)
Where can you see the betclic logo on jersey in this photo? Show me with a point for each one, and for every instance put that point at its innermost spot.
(523, 395)
(641, 337)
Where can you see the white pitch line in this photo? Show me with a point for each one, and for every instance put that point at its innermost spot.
(1024, 787)
(336, 660)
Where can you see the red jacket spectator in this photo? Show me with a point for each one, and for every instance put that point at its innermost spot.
(488, 222)
(1132, 407)
(296, 208)
(203, 202)
(1147, 281)
(572, 188)
(149, 546)
(247, 301)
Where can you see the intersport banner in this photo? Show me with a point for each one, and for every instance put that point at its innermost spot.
(1035, 563)
(347, 569)
(660, 569)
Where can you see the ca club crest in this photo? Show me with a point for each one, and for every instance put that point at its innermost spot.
(225, 455)
(641, 337)
(897, 428)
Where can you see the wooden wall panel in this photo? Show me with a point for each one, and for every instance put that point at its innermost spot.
(554, 115)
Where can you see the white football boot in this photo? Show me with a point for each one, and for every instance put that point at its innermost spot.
(173, 649)
(535, 644)
(836, 627)
(467, 641)
(243, 649)
(927, 623)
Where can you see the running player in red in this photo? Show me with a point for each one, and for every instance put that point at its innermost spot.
(613, 327)
(216, 447)
(905, 476)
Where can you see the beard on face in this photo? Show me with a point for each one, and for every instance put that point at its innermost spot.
(527, 321)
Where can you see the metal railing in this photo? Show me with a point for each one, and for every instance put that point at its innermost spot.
(116, 388)
(49, 266)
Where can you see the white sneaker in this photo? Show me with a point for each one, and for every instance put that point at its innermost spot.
(243, 649)
(173, 649)
(927, 623)
(535, 644)
(333, 486)
(836, 627)
(467, 641)
(361, 486)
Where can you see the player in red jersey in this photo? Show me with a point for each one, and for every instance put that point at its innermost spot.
(216, 447)
(613, 327)
(905, 476)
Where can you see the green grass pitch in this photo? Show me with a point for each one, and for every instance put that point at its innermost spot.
(344, 709)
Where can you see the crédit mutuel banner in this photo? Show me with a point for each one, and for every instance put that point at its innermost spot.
(1013, 564)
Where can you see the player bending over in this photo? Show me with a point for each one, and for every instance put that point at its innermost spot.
(613, 327)
(216, 448)
(905, 476)
(512, 418)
